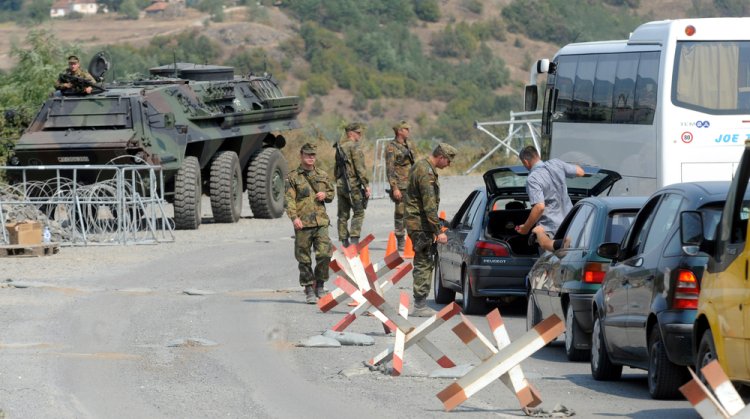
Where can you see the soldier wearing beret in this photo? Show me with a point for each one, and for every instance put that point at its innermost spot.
(307, 191)
(399, 158)
(352, 184)
(422, 220)
(74, 69)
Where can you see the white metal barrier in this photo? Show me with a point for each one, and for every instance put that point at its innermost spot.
(519, 124)
(379, 180)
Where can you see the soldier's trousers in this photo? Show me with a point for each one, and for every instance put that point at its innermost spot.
(305, 240)
(346, 208)
(423, 262)
(398, 214)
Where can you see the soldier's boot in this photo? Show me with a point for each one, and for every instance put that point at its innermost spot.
(320, 289)
(400, 242)
(421, 309)
(345, 243)
(354, 240)
(310, 297)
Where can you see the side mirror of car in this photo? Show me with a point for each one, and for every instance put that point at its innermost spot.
(691, 232)
(608, 250)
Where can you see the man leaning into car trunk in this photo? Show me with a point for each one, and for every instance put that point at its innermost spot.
(547, 191)
(422, 221)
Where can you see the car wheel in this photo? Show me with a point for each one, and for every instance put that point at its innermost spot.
(573, 337)
(706, 353)
(664, 377)
(442, 295)
(533, 317)
(472, 305)
(602, 369)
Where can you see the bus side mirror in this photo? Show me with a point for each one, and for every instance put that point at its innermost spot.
(530, 98)
(691, 232)
(542, 66)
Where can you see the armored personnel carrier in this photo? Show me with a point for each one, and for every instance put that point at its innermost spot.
(210, 131)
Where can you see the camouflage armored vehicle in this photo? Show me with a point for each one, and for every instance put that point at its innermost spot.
(211, 132)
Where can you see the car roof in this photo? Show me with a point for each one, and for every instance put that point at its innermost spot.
(700, 193)
(613, 203)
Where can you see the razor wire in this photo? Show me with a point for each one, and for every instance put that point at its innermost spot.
(122, 206)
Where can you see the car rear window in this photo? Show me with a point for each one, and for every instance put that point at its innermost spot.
(618, 224)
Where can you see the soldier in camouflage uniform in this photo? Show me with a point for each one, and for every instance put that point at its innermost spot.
(74, 69)
(351, 202)
(398, 160)
(307, 191)
(422, 222)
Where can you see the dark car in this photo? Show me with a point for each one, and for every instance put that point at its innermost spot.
(564, 282)
(485, 257)
(644, 311)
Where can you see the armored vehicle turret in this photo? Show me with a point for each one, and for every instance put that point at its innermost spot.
(211, 132)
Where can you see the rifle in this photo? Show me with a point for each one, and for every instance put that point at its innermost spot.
(341, 165)
(79, 82)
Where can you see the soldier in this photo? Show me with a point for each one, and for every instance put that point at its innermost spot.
(74, 69)
(422, 222)
(307, 191)
(398, 160)
(352, 185)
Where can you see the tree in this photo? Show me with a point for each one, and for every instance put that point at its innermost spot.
(129, 9)
(427, 10)
(36, 11)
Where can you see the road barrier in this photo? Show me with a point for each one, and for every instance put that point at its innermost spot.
(727, 403)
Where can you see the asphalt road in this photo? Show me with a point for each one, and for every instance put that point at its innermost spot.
(108, 332)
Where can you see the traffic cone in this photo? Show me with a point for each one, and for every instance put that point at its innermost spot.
(364, 256)
(444, 222)
(442, 215)
(408, 249)
(391, 246)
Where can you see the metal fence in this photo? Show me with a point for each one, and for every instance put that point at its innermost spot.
(522, 126)
(123, 205)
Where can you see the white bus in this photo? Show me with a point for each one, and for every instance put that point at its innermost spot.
(670, 104)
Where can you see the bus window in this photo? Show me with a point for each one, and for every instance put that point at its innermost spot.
(565, 74)
(707, 76)
(624, 92)
(646, 87)
(584, 86)
(604, 84)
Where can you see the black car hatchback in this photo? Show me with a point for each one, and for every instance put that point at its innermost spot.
(643, 313)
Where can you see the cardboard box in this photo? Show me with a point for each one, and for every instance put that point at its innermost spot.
(25, 232)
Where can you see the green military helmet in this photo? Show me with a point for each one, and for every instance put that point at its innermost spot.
(400, 125)
(446, 150)
(309, 148)
(355, 126)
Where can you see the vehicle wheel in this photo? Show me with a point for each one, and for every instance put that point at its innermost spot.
(533, 317)
(226, 187)
(602, 369)
(265, 183)
(442, 295)
(664, 377)
(472, 305)
(187, 195)
(573, 337)
(706, 353)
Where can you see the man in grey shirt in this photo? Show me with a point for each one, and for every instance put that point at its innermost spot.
(547, 191)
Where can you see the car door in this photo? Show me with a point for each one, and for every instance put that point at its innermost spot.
(617, 284)
(447, 258)
(456, 247)
(644, 274)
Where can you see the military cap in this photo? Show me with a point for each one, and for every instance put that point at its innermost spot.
(73, 59)
(308, 148)
(402, 124)
(446, 150)
(355, 126)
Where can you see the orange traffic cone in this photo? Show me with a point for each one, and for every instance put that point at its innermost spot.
(442, 215)
(364, 256)
(444, 222)
(391, 246)
(408, 249)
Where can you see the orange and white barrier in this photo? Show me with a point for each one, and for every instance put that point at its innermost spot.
(727, 403)
(413, 335)
(514, 379)
(501, 363)
(398, 346)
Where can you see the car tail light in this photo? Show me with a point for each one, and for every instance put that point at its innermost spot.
(483, 248)
(687, 290)
(593, 272)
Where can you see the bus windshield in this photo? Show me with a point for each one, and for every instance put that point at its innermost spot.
(712, 77)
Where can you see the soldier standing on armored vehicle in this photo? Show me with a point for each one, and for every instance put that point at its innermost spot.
(74, 80)
(422, 221)
(399, 158)
(307, 191)
(352, 185)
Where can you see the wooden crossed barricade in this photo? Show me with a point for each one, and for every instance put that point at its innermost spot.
(514, 379)
(407, 334)
(355, 279)
(727, 403)
(501, 363)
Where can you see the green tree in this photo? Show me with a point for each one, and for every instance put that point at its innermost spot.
(36, 11)
(427, 10)
(129, 9)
